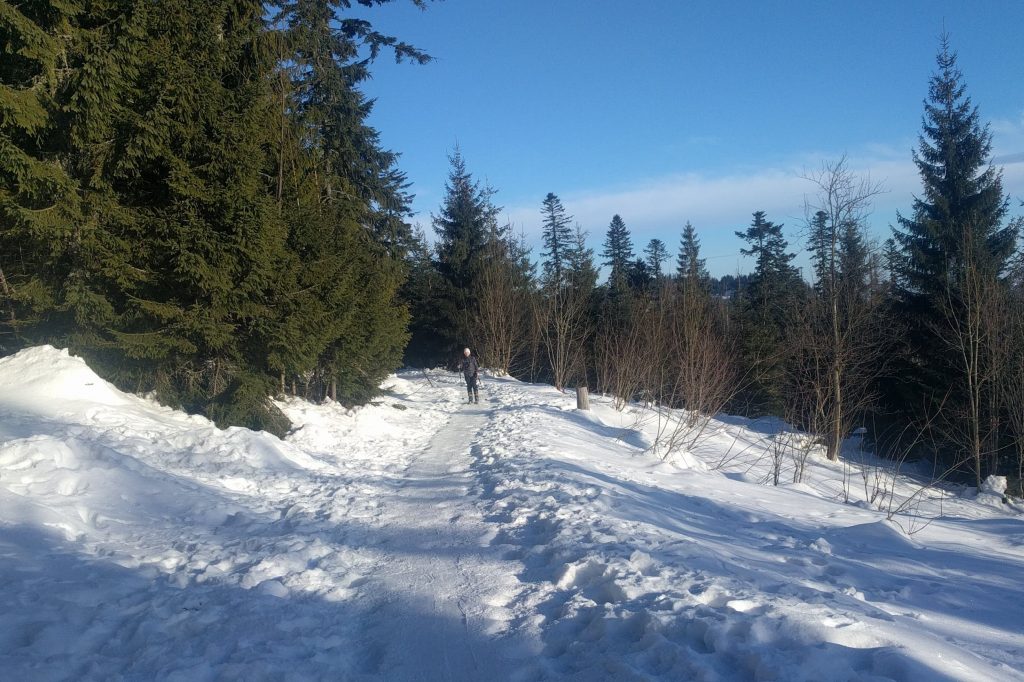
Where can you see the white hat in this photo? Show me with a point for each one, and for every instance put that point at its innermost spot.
(465, 351)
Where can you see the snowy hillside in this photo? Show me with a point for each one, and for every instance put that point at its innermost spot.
(421, 538)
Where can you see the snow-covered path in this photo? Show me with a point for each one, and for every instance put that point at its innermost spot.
(440, 581)
(419, 538)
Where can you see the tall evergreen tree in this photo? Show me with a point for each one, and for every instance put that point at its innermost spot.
(855, 260)
(953, 252)
(617, 253)
(467, 220)
(690, 267)
(463, 225)
(765, 310)
(656, 254)
(773, 281)
(960, 213)
(891, 260)
(821, 243)
(963, 205)
(221, 216)
(624, 279)
(421, 291)
(839, 256)
(38, 201)
(558, 241)
(582, 275)
(188, 269)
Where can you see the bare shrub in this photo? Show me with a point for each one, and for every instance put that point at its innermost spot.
(838, 351)
(972, 308)
(503, 314)
(1011, 378)
(565, 327)
(703, 370)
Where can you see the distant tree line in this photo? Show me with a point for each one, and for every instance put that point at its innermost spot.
(919, 341)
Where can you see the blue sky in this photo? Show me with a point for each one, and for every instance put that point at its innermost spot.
(668, 110)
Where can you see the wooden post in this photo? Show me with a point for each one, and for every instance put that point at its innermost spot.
(582, 398)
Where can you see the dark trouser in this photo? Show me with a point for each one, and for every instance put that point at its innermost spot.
(471, 388)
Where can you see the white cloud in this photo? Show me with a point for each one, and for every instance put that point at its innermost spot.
(1009, 158)
(661, 206)
(1008, 140)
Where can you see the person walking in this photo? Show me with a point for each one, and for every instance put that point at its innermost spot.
(471, 372)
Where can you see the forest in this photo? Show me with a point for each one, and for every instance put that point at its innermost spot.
(191, 198)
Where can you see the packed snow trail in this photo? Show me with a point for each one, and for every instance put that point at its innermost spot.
(420, 538)
(441, 582)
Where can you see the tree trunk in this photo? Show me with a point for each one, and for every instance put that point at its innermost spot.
(582, 398)
(837, 417)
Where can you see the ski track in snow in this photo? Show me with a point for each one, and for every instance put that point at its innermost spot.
(423, 539)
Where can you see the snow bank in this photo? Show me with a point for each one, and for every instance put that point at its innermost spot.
(51, 383)
(137, 540)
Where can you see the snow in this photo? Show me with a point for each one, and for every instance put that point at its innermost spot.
(520, 539)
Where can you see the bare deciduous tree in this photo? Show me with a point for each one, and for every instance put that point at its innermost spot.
(564, 332)
(503, 314)
(704, 374)
(671, 352)
(622, 359)
(1011, 378)
(839, 352)
(972, 309)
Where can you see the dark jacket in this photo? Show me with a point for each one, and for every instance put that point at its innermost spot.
(470, 367)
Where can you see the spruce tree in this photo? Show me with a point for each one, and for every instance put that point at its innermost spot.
(855, 260)
(820, 243)
(355, 199)
(618, 253)
(219, 216)
(766, 306)
(465, 223)
(68, 71)
(963, 193)
(839, 256)
(558, 241)
(959, 214)
(582, 273)
(656, 254)
(421, 292)
(618, 290)
(952, 255)
(773, 282)
(189, 268)
(690, 267)
(39, 204)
